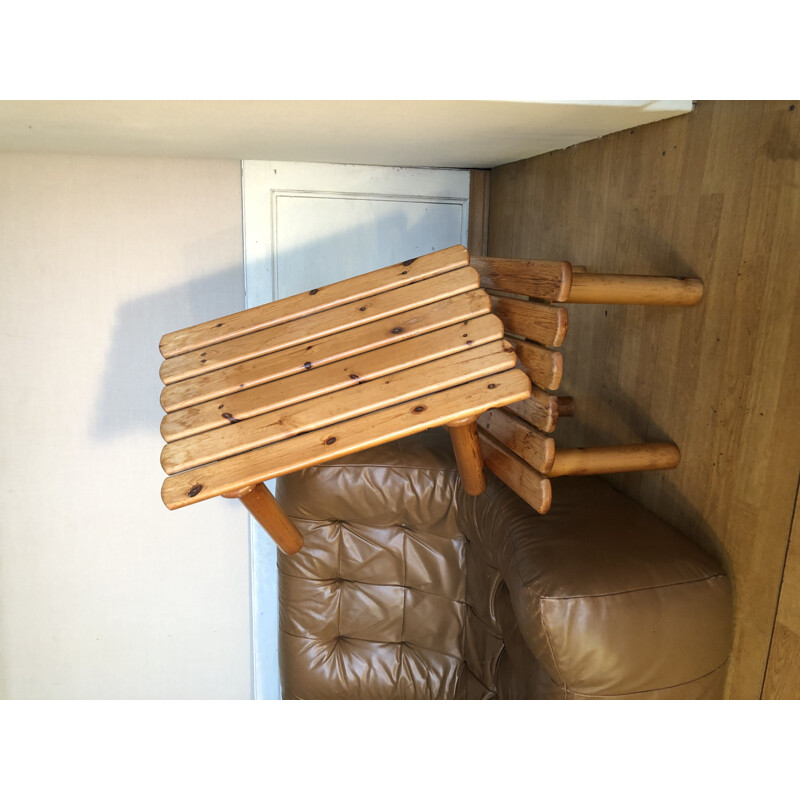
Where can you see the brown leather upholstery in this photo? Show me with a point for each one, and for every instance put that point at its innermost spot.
(409, 588)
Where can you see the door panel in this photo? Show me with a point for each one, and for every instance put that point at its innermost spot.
(307, 225)
(321, 239)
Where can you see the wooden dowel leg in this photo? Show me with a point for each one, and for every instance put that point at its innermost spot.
(635, 290)
(467, 449)
(258, 500)
(620, 458)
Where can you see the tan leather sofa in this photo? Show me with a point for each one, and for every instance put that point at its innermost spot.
(408, 588)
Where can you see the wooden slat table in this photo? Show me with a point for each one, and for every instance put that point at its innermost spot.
(274, 389)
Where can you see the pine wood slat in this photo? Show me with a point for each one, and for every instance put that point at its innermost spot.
(358, 399)
(300, 305)
(546, 280)
(537, 321)
(317, 325)
(522, 479)
(635, 290)
(302, 357)
(545, 366)
(540, 409)
(532, 446)
(357, 434)
(224, 411)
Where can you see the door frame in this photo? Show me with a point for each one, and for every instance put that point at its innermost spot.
(260, 189)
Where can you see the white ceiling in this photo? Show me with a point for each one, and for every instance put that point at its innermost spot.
(430, 133)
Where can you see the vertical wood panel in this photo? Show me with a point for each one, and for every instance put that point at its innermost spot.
(716, 195)
(478, 229)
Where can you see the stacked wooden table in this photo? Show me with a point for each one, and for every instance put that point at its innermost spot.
(336, 370)
(306, 379)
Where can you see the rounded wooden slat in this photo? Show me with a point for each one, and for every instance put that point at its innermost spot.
(540, 409)
(536, 321)
(300, 305)
(236, 408)
(545, 366)
(315, 326)
(521, 478)
(546, 280)
(352, 436)
(337, 346)
(520, 438)
(318, 412)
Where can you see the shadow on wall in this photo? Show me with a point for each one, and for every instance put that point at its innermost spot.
(131, 387)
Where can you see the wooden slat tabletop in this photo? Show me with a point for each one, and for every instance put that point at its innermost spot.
(206, 334)
(299, 382)
(324, 444)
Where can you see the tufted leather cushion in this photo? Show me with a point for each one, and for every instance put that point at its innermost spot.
(408, 588)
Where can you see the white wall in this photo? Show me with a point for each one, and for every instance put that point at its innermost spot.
(103, 592)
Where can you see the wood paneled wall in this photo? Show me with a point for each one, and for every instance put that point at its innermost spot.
(713, 194)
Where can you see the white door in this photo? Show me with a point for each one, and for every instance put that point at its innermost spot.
(307, 225)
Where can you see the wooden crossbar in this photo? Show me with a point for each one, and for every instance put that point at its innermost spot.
(546, 280)
(521, 438)
(525, 481)
(544, 366)
(536, 321)
(541, 410)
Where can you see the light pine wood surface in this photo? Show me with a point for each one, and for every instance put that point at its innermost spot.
(297, 306)
(714, 195)
(521, 438)
(541, 409)
(359, 398)
(544, 366)
(334, 347)
(310, 383)
(545, 280)
(329, 321)
(262, 395)
(635, 290)
(530, 485)
(353, 435)
(467, 450)
(540, 322)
